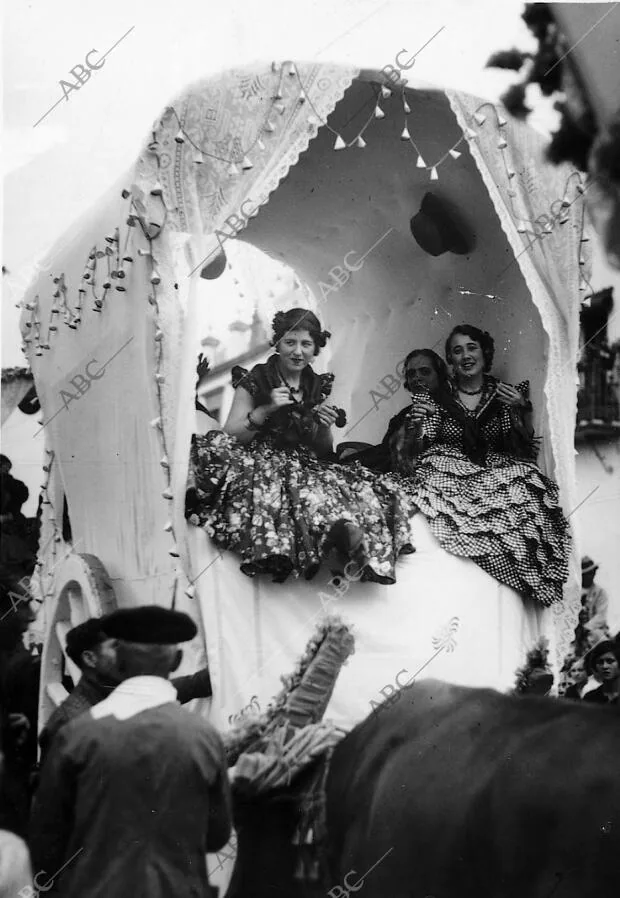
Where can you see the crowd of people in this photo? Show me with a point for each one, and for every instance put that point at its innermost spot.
(162, 762)
(591, 670)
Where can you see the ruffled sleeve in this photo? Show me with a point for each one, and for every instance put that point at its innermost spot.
(241, 377)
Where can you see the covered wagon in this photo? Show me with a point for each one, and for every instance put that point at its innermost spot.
(322, 167)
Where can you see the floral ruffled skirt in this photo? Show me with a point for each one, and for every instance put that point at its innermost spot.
(275, 507)
(504, 516)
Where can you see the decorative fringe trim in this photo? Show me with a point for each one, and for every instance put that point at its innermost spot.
(305, 695)
(536, 665)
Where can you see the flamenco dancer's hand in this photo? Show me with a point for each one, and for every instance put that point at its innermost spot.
(280, 396)
(510, 396)
(420, 409)
(326, 414)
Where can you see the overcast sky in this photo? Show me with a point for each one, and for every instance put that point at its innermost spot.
(54, 171)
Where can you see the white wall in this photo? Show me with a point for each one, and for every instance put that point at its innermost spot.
(25, 449)
(598, 519)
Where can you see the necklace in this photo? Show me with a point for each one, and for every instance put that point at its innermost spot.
(471, 392)
(292, 390)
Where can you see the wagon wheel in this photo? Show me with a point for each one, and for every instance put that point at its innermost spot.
(83, 591)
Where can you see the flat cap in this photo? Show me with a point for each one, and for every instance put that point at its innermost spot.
(150, 625)
(84, 637)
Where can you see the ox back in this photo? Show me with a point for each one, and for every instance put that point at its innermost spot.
(454, 792)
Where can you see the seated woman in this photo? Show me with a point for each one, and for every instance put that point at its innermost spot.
(471, 472)
(267, 488)
(424, 369)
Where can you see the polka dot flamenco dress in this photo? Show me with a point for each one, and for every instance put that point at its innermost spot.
(474, 477)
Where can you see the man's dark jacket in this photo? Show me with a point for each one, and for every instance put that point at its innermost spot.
(131, 807)
(88, 693)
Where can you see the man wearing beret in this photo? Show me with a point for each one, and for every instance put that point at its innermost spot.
(594, 601)
(134, 792)
(94, 653)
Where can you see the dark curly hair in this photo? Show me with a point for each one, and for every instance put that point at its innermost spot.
(484, 339)
(299, 319)
(436, 361)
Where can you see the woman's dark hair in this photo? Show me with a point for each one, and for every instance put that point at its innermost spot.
(440, 367)
(484, 339)
(600, 649)
(299, 319)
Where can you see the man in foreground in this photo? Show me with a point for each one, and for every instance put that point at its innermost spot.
(90, 649)
(134, 792)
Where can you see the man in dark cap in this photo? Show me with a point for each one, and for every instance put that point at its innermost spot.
(134, 792)
(94, 652)
(594, 601)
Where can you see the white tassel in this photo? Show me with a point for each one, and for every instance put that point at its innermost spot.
(501, 121)
(190, 592)
(197, 157)
(434, 175)
(159, 335)
(420, 163)
(180, 138)
(164, 462)
(469, 132)
(379, 113)
(168, 526)
(454, 153)
(405, 134)
(406, 106)
(340, 144)
(160, 379)
(156, 422)
(167, 493)
(174, 551)
(157, 189)
(385, 92)
(502, 144)
(479, 118)
(360, 142)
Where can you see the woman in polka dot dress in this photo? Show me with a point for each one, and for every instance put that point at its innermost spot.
(470, 468)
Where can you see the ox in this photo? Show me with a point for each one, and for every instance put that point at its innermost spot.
(454, 792)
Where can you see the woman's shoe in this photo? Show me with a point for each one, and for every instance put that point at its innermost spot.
(349, 542)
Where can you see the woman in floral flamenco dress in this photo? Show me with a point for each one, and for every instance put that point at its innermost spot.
(267, 487)
(469, 459)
